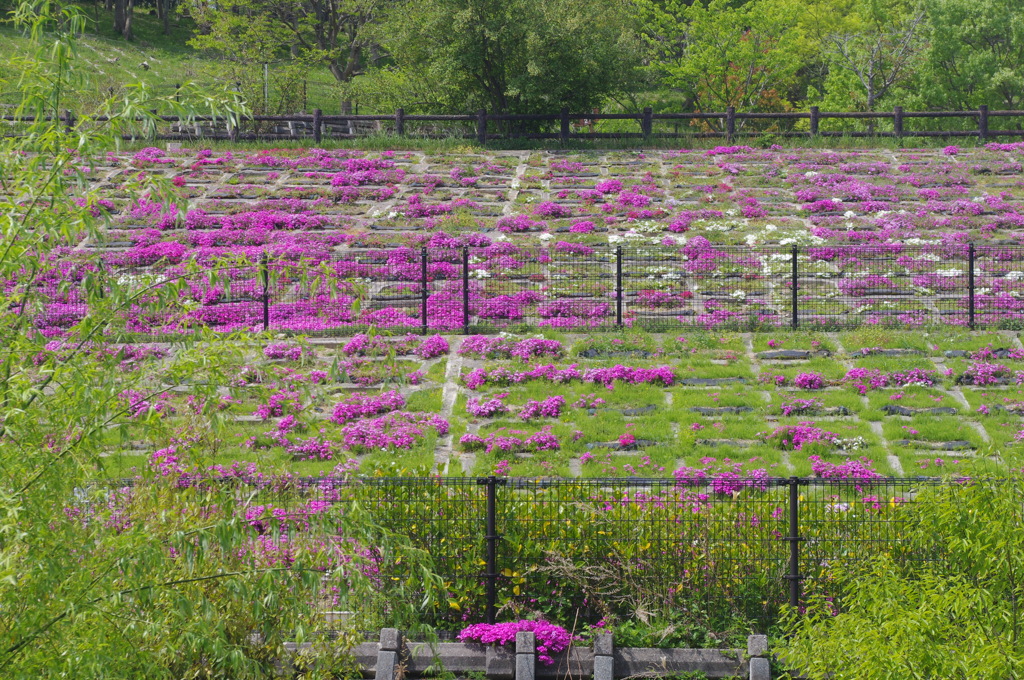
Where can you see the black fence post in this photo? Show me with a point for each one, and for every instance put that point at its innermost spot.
(795, 288)
(69, 121)
(423, 289)
(318, 125)
(794, 577)
(814, 121)
(400, 122)
(481, 127)
(618, 286)
(730, 122)
(465, 290)
(265, 279)
(647, 122)
(563, 130)
(970, 286)
(492, 537)
(983, 122)
(897, 121)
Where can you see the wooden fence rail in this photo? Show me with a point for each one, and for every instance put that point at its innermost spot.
(317, 125)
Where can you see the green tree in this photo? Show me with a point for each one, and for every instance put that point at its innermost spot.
(721, 54)
(506, 56)
(974, 55)
(328, 32)
(248, 42)
(871, 51)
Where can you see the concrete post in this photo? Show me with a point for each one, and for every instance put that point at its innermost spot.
(757, 650)
(389, 654)
(604, 659)
(526, 655)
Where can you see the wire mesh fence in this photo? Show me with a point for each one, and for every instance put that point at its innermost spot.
(721, 549)
(506, 287)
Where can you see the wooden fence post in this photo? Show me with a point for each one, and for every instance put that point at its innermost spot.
(814, 121)
(400, 122)
(317, 125)
(730, 122)
(563, 130)
(983, 122)
(481, 126)
(69, 121)
(897, 121)
(647, 122)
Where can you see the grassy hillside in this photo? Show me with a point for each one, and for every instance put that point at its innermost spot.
(116, 62)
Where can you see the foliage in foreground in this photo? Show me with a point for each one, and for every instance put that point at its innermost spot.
(956, 617)
(87, 588)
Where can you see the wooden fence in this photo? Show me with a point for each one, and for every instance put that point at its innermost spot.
(319, 126)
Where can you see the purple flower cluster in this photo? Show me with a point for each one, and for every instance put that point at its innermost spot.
(501, 347)
(865, 379)
(365, 405)
(862, 468)
(397, 430)
(798, 406)
(549, 638)
(983, 373)
(512, 441)
(809, 381)
(519, 223)
(726, 478)
(588, 401)
(137, 405)
(285, 350)
(793, 437)
(548, 408)
(662, 375)
(363, 344)
(487, 409)
(280, 403)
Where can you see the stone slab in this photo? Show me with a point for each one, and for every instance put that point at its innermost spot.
(896, 410)
(714, 663)
(720, 410)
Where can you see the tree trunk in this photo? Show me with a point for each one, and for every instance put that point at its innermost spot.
(127, 32)
(119, 15)
(871, 108)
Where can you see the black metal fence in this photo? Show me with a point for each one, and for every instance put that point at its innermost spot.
(720, 549)
(573, 287)
(483, 126)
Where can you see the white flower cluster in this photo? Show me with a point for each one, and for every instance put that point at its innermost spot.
(850, 443)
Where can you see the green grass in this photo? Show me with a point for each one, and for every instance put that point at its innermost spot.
(680, 435)
(112, 62)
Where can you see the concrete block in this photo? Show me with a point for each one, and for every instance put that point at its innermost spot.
(387, 665)
(500, 663)
(604, 668)
(757, 645)
(715, 663)
(604, 645)
(526, 643)
(526, 666)
(390, 639)
(460, 658)
(760, 669)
